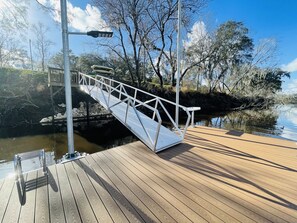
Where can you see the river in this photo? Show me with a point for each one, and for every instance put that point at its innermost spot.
(279, 121)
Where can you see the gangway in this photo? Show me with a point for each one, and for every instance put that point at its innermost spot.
(138, 110)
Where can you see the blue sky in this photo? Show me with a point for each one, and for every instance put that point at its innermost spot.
(264, 18)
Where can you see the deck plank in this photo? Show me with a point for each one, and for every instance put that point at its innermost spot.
(28, 211)
(91, 168)
(69, 204)
(260, 176)
(97, 205)
(5, 194)
(138, 205)
(197, 184)
(277, 206)
(55, 198)
(247, 203)
(84, 207)
(164, 200)
(190, 206)
(119, 198)
(42, 206)
(14, 205)
(155, 208)
(215, 207)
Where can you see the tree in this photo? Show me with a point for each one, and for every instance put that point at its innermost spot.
(125, 18)
(85, 61)
(13, 19)
(13, 14)
(160, 39)
(41, 43)
(58, 61)
(264, 82)
(145, 27)
(219, 55)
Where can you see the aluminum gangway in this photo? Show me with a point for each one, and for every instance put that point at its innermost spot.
(140, 111)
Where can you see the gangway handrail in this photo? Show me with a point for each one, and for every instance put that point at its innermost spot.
(110, 85)
(128, 99)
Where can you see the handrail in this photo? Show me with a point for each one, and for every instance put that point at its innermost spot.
(107, 85)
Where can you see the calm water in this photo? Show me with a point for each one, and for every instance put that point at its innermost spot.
(87, 138)
(280, 121)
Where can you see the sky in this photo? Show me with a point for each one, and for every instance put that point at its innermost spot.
(264, 18)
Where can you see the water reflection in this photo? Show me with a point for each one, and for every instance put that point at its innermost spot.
(279, 121)
(50, 143)
(53, 139)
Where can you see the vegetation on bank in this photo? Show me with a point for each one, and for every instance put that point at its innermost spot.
(25, 98)
(222, 68)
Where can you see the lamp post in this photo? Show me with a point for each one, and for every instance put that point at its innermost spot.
(67, 79)
(178, 62)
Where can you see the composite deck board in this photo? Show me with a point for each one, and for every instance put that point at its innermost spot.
(96, 203)
(187, 190)
(217, 207)
(28, 211)
(5, 194)
(42, 208)
(155, 208)
(55, 200)
(14, 205)
(192, 209)
(84, 207)
(140, 208)
(122, 201)
(155, 195)
(179, 208)
(68, 201)
(206, 187)
(214, 176)
(271, 181)
(200, 186)
(247, 200)
(90, 166)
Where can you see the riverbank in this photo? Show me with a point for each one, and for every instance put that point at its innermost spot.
(26, 98)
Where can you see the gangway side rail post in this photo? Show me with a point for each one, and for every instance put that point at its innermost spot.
(110, 87)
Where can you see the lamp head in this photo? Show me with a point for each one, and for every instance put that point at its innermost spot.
(97, 34)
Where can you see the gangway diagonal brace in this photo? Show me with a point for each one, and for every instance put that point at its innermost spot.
(124, 102)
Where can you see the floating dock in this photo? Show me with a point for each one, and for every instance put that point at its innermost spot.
(213, 176)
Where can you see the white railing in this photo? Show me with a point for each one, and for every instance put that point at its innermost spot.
(134, 97)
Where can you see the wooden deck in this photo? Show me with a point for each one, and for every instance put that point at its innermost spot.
(214, 176)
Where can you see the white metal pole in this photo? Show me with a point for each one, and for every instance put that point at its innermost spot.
(178, 61)
(67, 79)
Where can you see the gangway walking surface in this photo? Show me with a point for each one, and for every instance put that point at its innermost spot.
(142, 118)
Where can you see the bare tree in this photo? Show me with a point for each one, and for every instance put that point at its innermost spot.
(13, 21)
(125, 17)
(13, 14)
(146, 26)
(160, 41)
(42, 43)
